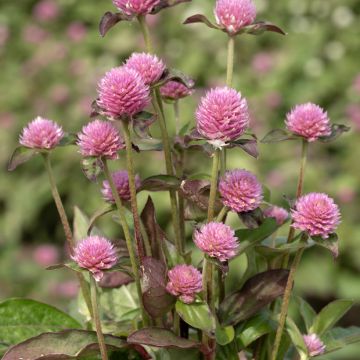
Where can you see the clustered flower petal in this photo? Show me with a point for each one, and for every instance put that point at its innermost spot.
(222, 115)
(41, 134)
(240, 190)
(101, 139)
(96, 254)
(174, 90)
(217, 240)
(136, 7)
(121, 182)
(149, 66)
(276, 212)
(314, 345)
(122, 92)
(184, 281)
(317, 214)
(233, 15)
(309, 121)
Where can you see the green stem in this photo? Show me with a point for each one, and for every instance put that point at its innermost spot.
(177, 116)
(146, 33)
(213, 185)
(230, 61)
(176, 323)
(222, 214)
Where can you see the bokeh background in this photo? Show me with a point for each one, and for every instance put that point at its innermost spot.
(51, 57)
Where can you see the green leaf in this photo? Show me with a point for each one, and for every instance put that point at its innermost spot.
(224, 335)
(106, 209)
(336, 131)
(296, 338)
(20, 155)
(92, 167)
(81, 225)
(307, 313)
(68, 139)
(337, 338)
(331, 243)
(278, 135)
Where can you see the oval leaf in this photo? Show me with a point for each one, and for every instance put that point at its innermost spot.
(199, 18)
(278, 135)
(109, 20)
(160, 183)
(296, 338)
(336, 131)
(338, 338)
(224, 335)
(20, 155)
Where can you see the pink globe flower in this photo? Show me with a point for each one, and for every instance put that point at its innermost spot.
(95, 253)
(121, 181)
(222, 115)
(278, 213)
(101, 139)
(41, 134)
(314, 345)
(240, 190)
(217, 240)
(184, 281)
(174, 90)
(150, 67)
(136, 7)
(317, 214)
(309, 121)
(233, 15)
(122, 92)
(46, 255)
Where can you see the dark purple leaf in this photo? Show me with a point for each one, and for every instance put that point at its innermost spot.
(259, 27)
(20, 155)
(92, 167)
(248, 145)
(112, 280)
(160, 183)
(167, 3)
(331, 243)
(336, 131)
(252, 219)
(175, 75)
(199, 18)
(110, 19)
(278, 135)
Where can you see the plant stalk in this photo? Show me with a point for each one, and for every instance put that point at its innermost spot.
(146, 33)
(230, 61)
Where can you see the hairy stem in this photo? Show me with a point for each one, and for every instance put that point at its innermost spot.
(146, 33)
(230, 61)
(213, 185)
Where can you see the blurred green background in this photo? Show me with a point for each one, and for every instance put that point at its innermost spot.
(51, 57)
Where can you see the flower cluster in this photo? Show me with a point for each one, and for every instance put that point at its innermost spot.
(136, 7)
(174, 90)
(278, 213)
(314, 345)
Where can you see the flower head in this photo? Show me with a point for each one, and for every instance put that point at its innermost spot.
(240, 190)
(309, 121)
(217, 240)
(121, 181)
(100, 138)
(149, 66)
(278, 213)
(41, 134)
(122, 92)
(184, 281)
(232, 15)
(96, 254)
(317, 214)
(314, 345)
(174, 90)
(136, 7)
(222, 115)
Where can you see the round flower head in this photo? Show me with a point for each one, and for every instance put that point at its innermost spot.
(184, 281)
(222, 115)
(317, 214)
(278, 213)
(232, 15)
(122, 92)
(41, 134)
(309, 121)
(100, 138)
(150, 67)
(121, 181)
(217, 240)
(136, 7)
(240, 190)
(314, 345)
(96, 254)
(174, 90)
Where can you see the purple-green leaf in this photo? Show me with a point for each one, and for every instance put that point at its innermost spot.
(248, 145)
(141, 124)
(20, 155)
(278, 135)
(160, 183)
(260, 27)
(113, 280)
(175, 75)
(92, 167)
(167, 3)
(336, 131)
(252, 219)
(109, 20)
(331, 243)
(199, 18)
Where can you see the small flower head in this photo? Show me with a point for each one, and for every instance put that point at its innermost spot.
(217, 240)
(317, 214)
(278, 213)
(240, 190)
(222, 115)
(314, 345)
(101, 139)
(174, 90)
(121, 181)
(232, 15)
(309, 121)
(184, 281)
(136, 7)
(41, 134)
(96, 254)
(150, 67)
(122, 92)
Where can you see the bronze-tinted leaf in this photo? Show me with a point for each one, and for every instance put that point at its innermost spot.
(20, 155)
(109, 20)
(278, 135)
(331, 243)
(336, 131)
(112, 280)
(175, 75)
(199, 18)
(160, 183)
(259, 27)
(248, 145)
(252, 219)
(167, 3)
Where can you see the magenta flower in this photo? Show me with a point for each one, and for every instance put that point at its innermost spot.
(314, 345)
(95, 253)
(136, 7)
(174, 90)
(278, 213)
(240, 190)
(233, 15)
(217, 240)
(101, 139)
(317, 214)
(222, 115)
(184, 281)
(121, 181)
(309, 121)
(150, 67)
(41, 134)
(122, 92)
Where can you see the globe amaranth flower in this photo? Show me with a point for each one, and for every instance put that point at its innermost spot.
(149, 66)
(276, 212)
(233, 15)
(122, 92)
(41, 134)
(222, 115)
(216, 240)
(121, 182)
(136, 7)
(184, 281)
(314, 345)
(317, 214)
(101, 139)
(309, 121)
(174, 90)
(240, 190)
(96, 254)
